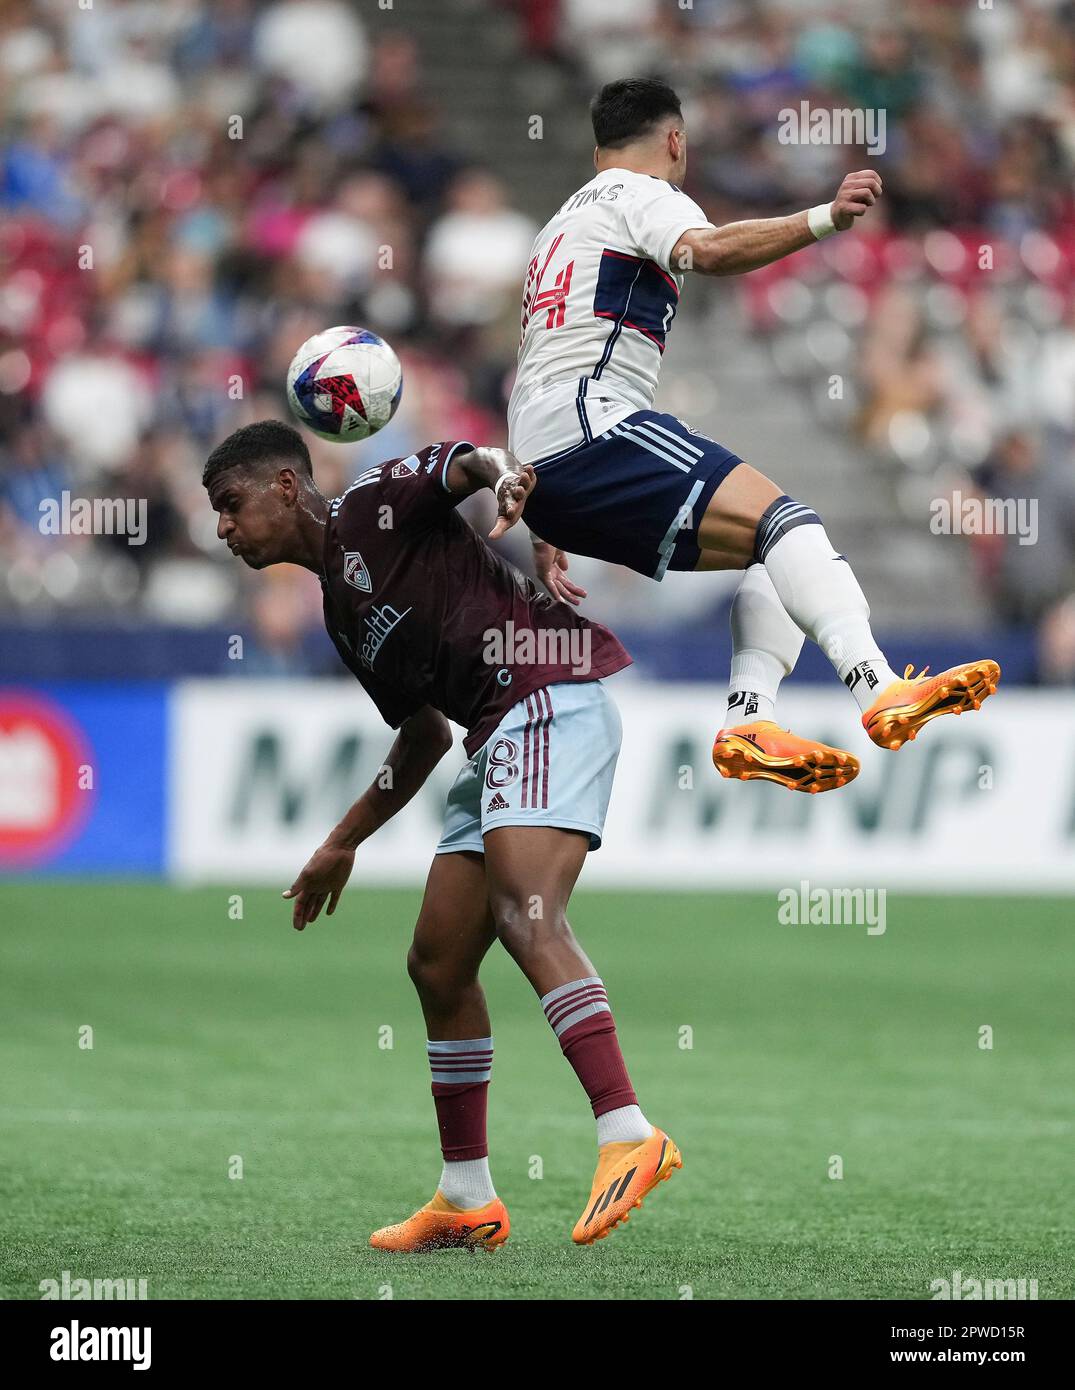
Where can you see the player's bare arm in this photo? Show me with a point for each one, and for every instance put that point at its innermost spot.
(510, 481)
(738, 247)
(419, 746)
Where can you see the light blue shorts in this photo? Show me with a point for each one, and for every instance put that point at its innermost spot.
(550, 761)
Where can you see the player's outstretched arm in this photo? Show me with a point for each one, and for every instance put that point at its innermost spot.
(741, 246)
(420, 744)
(511, 482)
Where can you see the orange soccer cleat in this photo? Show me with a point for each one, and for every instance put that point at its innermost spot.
(626, 1172)
(440, 1225)
(903, 707)
(763, 749)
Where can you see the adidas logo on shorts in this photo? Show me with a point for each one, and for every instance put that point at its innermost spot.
(497, 804)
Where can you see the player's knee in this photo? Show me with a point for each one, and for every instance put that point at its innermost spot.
(525, 924)
(779, 518)
(436, 976)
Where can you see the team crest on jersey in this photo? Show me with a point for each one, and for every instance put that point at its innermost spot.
(405, 468)
(355, 571)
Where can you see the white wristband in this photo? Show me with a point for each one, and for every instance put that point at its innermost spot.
(820, 220)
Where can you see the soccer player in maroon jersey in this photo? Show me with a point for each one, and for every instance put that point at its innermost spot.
(437, 626)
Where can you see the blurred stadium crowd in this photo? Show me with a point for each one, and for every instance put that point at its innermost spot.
(187, 191)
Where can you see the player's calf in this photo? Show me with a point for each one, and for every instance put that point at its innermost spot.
(453, 933)
(450, 995)
(765, 647)
(531, 873)
(799, 581)
(816, 586)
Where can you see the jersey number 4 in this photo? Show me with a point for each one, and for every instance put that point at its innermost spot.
(551, 300)
(634, 292)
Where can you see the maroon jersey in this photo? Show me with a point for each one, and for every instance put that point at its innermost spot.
(423, 612)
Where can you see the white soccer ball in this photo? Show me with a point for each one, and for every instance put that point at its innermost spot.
(344, 384)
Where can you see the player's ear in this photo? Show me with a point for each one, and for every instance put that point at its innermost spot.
(596, 156)
(287, 484)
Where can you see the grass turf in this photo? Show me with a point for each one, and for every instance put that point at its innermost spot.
(214, 1037)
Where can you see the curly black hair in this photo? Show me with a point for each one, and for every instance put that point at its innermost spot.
(248, 448)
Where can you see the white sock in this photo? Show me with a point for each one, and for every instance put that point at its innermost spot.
(628, 1122)
(818, 589)
(467, 1183)
(765, 647)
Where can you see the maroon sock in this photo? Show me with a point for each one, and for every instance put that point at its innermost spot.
(461, 1072)
(579, 1015)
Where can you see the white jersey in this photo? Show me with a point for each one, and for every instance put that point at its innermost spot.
(599, 299)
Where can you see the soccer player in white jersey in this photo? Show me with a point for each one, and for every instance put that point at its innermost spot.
(622, 482)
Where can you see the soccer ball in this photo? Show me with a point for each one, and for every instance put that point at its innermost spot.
(344, 383)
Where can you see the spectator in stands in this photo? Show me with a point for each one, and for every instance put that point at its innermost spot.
(1031, 573)
(477, 252)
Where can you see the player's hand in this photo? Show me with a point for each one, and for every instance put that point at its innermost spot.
(324, 877)
(511, 493)
(551, 566)
(856, 195)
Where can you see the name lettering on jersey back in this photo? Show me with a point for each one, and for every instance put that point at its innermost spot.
(606, 193)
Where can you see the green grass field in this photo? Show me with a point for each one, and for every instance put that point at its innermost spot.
(214, 1038)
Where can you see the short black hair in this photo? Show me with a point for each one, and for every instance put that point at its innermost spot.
(630, 107)
(253, 445)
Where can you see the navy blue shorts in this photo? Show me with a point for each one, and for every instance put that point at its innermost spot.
(634, 495)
